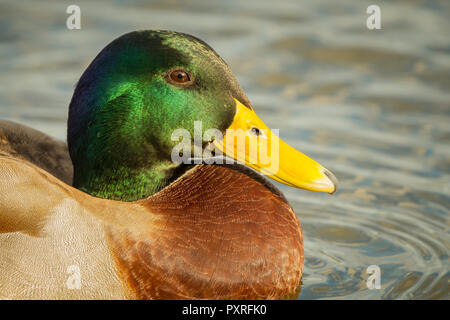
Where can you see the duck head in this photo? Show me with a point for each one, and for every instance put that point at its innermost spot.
(145, 85)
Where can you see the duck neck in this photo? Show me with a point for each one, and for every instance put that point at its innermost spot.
(125, 183)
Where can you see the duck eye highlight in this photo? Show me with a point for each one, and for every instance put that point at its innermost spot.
(179, 77)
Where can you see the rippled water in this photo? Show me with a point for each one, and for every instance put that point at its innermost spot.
(371, 106)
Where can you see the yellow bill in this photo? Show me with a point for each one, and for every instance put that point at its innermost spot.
(250, 141)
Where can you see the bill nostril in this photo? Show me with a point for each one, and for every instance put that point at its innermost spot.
(255, 131)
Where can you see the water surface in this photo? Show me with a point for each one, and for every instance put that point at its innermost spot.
(371, 106)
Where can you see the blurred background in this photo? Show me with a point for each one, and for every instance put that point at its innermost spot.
(373, 106)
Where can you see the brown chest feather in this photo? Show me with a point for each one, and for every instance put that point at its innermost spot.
(215, 233)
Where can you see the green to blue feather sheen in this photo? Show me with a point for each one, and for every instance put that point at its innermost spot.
(123, 111)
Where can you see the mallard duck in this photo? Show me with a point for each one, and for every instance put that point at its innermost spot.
(131, 223)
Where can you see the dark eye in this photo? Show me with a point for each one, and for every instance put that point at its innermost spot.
(180, 77)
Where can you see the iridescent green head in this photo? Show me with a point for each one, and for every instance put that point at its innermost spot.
(144, 86)
(134, 94)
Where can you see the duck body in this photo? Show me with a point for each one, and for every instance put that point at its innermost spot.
(112, 215)
(25, 143)
(215, 233)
